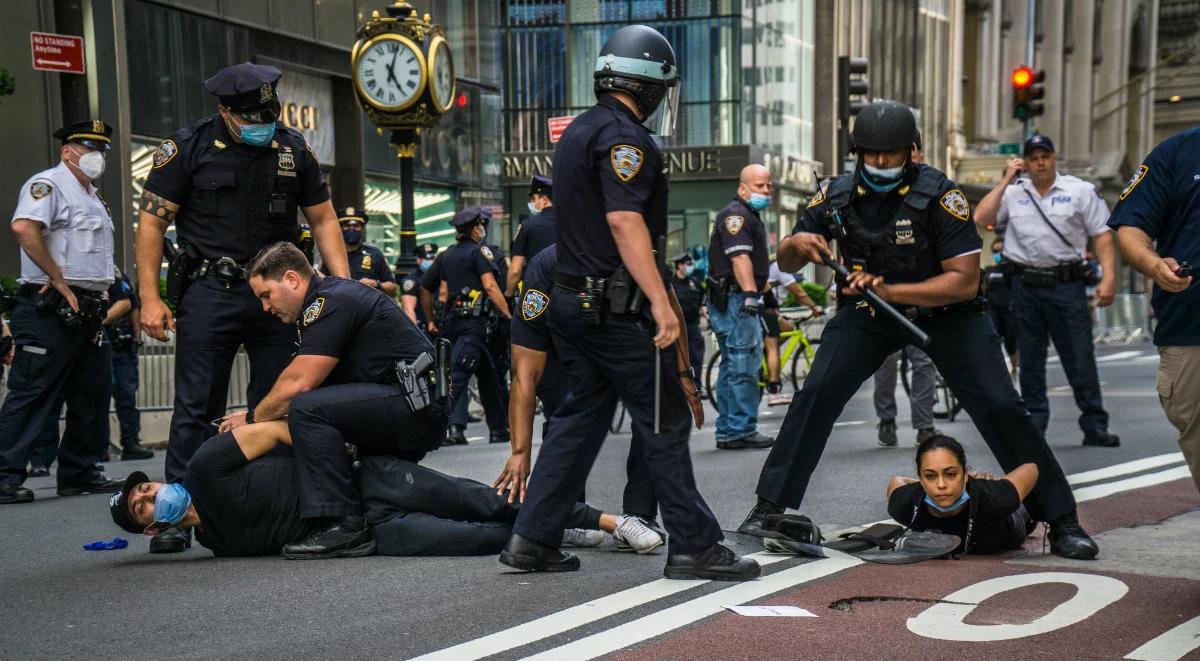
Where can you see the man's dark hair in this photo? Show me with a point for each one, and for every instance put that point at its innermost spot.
(273, 261)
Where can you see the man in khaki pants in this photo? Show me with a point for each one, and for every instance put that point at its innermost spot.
(1158, 231)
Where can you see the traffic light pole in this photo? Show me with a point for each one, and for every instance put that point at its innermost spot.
(1030, 9)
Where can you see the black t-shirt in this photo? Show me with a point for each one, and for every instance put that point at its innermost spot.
(246, 507)
(994, 501)
(461, 266)
(361, 327)
(535, 234)
(529, 327)
(606, 161)
(738, 230)
(367, 262)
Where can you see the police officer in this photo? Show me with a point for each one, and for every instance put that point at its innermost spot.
(365, 261)
(611, 190)
(498, 340)
(468, 268)
(231, 183)
(121, 332)
(533, 235)
(908, 228)
(410, 284)
(66, 236)
(691, 301)
(1050, 217)
(740, 263)
(343, 387)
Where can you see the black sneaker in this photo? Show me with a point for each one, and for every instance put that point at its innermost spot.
(717, 563)
(96, 484)
(1068, 540)
(887, 433)
(455, 435)
(171, 540)
(39, 471)
(755, 441)
(1101, 439)
(755, 523)
(134, 450)
(347, 537)
(12, 493)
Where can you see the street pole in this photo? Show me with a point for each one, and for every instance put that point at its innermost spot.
(1030, 9)
(405, 141)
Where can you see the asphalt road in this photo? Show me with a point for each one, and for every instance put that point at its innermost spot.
(63, 602)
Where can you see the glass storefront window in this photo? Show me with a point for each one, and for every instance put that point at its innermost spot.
(434, 208)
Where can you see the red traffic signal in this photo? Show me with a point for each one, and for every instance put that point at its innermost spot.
(1027, 89)
(1022, 77)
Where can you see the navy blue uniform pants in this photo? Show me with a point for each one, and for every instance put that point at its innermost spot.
(414, 510)
(55, 363)
(124, 394)
(603, 363)
(1058, 313)
(213, 321)
(375, 418)
(696, 351)
(45, 446)
(966, 351)
(469, 356)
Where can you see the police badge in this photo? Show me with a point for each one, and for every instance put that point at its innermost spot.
(904, 232)
(39, 189)
(1135, 180)
(166, 151)
(265, 94)
(366, 263)
(287, 161)
(533, 303)
(486, 252)
(313, 310)
(734, 223)
(955, 203)
(626, 161)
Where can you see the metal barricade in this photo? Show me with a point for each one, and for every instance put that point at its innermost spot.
(156, 391)
(1126, 321)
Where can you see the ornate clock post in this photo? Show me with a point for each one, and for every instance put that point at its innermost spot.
(404, 79)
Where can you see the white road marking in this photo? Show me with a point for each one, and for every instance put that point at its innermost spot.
(849, 423)
(1126, 468)
(1101, 490)
(476, 438)
(1172, 645)
(1120, 355)
(683, 614)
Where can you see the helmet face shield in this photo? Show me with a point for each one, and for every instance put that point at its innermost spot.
(667, 112)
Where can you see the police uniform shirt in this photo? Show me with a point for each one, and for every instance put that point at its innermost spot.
(690, 296)
(605, 162)
(535, 234)
(361, 327)
(1072, 205)
(529, 327)
(461, 266)
(1163, 200)
(739, 231)
(367, 262)
(77, 227)
(224, 187)
(501, 263)
(952, 233)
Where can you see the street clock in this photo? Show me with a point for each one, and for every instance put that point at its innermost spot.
(441, 73)
(390, 72)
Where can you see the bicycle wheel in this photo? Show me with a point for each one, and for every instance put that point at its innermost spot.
(710, 376)
(801, 365)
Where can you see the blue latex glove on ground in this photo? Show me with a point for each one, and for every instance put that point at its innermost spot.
(116, 543)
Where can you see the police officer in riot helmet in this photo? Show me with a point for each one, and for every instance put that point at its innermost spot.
(904, 231)
(611, 315)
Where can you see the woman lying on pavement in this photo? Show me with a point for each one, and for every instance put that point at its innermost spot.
(983, 511)
(242, 503)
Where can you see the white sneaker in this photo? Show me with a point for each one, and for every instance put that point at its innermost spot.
(778, 399)
(582, 537)
(634, 534)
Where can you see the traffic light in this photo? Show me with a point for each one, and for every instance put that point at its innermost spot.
(1027, 91)
(853, 95)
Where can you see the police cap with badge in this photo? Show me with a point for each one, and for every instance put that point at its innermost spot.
(1038, 141)
(91, 133)
(426, 251)
(540, 185)
(682, 258)
(465, 219)
(353, 215)
(247, 90)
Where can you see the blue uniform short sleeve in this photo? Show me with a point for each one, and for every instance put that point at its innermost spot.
(954, 233)
(313, 189)
(484, 261)
(627, 166)
(529, 327)
(814, 219)
(379, 267)
(170, 177)
(520, 242)
(734, 229)
(326, 327)
(1146, 202)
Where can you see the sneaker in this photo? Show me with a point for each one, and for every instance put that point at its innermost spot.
(887, 433)
(755, 441)
(98, 483)
(634, 533)
(755, 523)
(928, 432)
(581, 537)
(779, 399)
(347, 537)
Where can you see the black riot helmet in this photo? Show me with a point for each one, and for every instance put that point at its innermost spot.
(639, 61)
(885, 126)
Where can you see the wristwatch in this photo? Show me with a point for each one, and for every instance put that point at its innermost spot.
(249, 416)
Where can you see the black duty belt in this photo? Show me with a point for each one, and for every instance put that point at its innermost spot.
(1065, 271)
(922, 312)
(578, 282)
(31, 289)
(226, 268)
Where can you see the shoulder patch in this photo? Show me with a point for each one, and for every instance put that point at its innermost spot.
(533, 304)
(166, 151)
(40, 189)
(409, 284)
(955, 203)
(733, 224)
(816, 199)
(487, 253)
(313, 311)
(626, 161)
(1134, 181)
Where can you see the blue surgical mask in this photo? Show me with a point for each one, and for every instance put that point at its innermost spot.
(758, 201)
(425, 264)
(258, 135)
(957, 504)
(171, 504)
(533, 208)
(881, 180)
(689, 270)
(352, 237)
(996, 257)
(483, 235)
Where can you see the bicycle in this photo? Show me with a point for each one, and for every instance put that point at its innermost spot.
(795, 346)
(945, 405)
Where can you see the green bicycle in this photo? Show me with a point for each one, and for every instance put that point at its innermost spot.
(795, 347)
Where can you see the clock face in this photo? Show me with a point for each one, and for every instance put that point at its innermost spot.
(389, 72)
(441, 74)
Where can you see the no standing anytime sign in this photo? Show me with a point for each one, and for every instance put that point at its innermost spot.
(57, 52)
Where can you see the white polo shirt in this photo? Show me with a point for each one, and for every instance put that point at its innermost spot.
(77, 227)
(1072, 205)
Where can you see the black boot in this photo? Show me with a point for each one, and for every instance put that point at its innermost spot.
(716, 562)
(97, 483)
(347, 537)
(528, 555)
(12, 493)
(498, 436)
(755, 441)
(455, 435)
(1068, 540)
(755, 521)
(133, 449)
(171, 540)
(1100, 438)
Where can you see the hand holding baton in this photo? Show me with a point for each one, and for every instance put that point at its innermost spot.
(843, 275)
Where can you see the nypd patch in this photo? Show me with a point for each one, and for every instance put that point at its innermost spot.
(955, 203)
(487, 252)
(1135, 180)
(626, 161)
(166, 151)
(533, 304)
(40, 189)
(733, 224)
(816, 199)
(409, 285)
(313, 311)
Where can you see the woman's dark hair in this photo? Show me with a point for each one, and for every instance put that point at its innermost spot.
(941, 442)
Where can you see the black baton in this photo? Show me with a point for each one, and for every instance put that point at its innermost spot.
(843, 275)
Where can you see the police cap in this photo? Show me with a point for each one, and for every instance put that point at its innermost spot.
(540, 186)
(1038, 141)
(91, 133)
(426, 250)
(884, 126)
(682, 258)
(247, 89)
(469, 216)
(353, 213)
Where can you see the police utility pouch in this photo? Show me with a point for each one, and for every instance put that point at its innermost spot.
(181, 266)
(413, 384)
(623, 294)
(1036, 277)
(591, 300)
(718, 295)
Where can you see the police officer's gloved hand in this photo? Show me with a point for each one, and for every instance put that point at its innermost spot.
(751, 306)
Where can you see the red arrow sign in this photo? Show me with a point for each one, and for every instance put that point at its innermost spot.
(57, 52)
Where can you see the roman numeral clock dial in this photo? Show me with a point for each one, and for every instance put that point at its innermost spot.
(390, 72)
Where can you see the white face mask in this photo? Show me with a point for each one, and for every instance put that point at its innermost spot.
(90, 164)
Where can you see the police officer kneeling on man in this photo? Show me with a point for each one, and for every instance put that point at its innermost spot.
(366, 262)
(345, 386)
(908, 228)
(610, 188)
